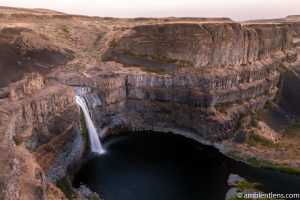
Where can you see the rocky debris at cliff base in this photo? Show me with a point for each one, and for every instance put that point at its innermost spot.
(84, 193)
(239, 186)
(233, 179)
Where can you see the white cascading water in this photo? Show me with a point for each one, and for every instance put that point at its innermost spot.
(93, 136)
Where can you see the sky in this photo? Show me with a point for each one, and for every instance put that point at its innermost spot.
(235, 9)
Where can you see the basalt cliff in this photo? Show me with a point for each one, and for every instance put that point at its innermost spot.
(233, 85)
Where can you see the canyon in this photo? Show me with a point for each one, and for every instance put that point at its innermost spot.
(210, 79)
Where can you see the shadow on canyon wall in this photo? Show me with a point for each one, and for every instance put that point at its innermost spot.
(286, 109)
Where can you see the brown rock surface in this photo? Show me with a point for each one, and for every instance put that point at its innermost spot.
(27, 123)
(210, 45)
(26, 87)
(192, 76)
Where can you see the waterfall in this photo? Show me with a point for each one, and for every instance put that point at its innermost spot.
(93, 136)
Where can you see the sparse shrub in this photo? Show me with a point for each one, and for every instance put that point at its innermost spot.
(262, 163)
(268, 105)
(239, 123)
(23, 51)
(158, 58)
(254, 138)
(85, 193)
(222, 107)
(94, 197)
(128, 52)
(63, 185)
(245, 185)
(253, 121)
(185, 63)
(18, 140)
(65, 29)
(113, 43)
(155, 70)
(261, 113)
(162, 59)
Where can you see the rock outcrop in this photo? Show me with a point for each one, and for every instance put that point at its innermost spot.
(212, 45)
(37, 117)
(26, 87)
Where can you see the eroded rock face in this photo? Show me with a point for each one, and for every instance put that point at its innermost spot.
(168, 103)
(210, 45)
(9, 171)
(28, 86)
(236, 71)
(296, 29)
(41, 119)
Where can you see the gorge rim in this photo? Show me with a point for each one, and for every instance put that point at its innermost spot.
(186, 108)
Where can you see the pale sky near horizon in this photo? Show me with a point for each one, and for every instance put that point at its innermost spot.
(235, 9)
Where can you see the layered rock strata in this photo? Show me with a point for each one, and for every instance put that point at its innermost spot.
(233, 70)
(35, 121)
(213, 72)
(211, 45)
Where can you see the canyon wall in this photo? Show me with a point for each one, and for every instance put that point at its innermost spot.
(40, 138)
(219, 71)
(174, 103)
(234, 70)
(212, 45)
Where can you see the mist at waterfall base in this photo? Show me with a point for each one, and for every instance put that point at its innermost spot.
(151, 165)
(92, 132)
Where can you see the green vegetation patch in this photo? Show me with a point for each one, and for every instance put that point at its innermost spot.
(162, 59)
(259, 115)
(157, 58)
(255, 138)
(128, 52)
(293, 129)
(94, 197)
(64, 186)
(262, 163)
(268, 105)
(71, 194)
(253, 121)
(18, 139)
(65, 29)
(240, 122)
(159, 71)
(246, 187)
